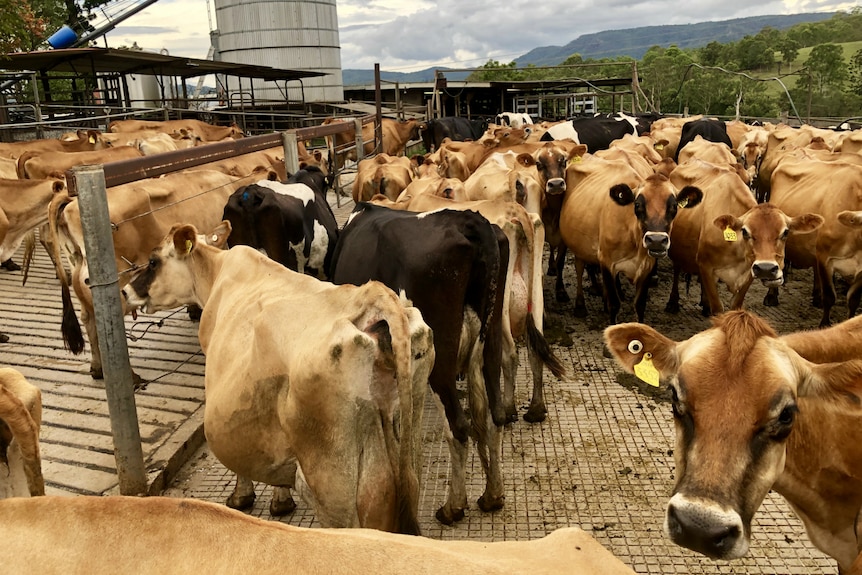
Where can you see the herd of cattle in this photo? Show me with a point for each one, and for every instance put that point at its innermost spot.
(320, 340)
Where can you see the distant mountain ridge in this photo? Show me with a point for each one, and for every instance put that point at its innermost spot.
(633, 42)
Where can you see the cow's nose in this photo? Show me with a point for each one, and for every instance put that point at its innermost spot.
(769, 273)
(656, 243)
(555, 186)
(713, 539)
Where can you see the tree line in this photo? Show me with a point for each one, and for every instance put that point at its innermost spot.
(758, 76)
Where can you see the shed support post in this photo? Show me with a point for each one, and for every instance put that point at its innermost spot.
(110, 327)
(291, 152)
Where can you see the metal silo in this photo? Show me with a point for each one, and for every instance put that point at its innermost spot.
(290, 34)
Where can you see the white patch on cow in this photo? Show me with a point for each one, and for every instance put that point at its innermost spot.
(503, 159)
(319, 246)
(299, 250)
(622, 116)
(564, 131)
(298, 191)
(421, 215)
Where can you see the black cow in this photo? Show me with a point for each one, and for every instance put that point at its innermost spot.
(455, 128)
(597, 132)
(452, 266)
(292, 222)
(708, 129)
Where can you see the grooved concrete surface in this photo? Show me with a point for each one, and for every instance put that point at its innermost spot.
(602, 460)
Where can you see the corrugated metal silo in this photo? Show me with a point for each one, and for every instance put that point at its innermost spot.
(290, 34)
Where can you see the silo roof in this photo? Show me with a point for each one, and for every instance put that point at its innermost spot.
(115, 60)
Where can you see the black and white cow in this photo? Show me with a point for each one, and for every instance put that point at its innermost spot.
(597, 132)
(707, 128)
(513, 119)
(452, 266)
(456, 128)
(292, 222)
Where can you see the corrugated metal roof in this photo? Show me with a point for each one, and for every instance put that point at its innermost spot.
(114, 60)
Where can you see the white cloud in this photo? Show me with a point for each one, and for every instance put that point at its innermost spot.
(403, 36)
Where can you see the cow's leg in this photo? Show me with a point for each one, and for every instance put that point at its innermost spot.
(612, 296)
(739, 297)
(771, 297)
(537, 411)
(580, 309)
(593, 273)
(817, 290)
(641, 295)
(456, 503)
(559, 287)
(243, 493)
(489, 441)
(709, 293)
(3, 338)
(510, 368)
(282, 501)
(552, 260)
(673, 299)
(827, 290)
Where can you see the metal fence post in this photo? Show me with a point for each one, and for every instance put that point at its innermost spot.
(360, 148)
(119, 385)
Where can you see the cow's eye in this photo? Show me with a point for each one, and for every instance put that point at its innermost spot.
(785, 233)
(745, 234)
(784, 423)
(154, 263)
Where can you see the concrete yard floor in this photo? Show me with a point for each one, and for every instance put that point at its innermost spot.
(602, 460)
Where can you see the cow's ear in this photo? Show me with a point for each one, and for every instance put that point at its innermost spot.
(185, 240)
(728, 221)
(836, 382)
(622, 194)
(525, 160)
(850, 219)
(578, 152)
(635, 344)
(689, 197)
(806, 223)
(218, 237)
(58, 186)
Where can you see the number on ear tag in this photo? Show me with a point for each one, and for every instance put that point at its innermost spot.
(646, 371)
(729, 234)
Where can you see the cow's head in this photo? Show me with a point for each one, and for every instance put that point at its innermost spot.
(168, 280)
(734, 390)
(656, 203)
(751, 156)
(764, 230)
(551, 161)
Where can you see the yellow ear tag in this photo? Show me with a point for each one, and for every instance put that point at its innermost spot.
(188, 246)
(92, 139)
(577, 159)
(729, 235)
(682, 203)
(646, 371)
(659, 146)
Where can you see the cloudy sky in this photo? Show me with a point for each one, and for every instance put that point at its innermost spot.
(407, 35)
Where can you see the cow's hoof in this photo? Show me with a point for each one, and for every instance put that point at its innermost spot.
(447, 517)
(596, 290)
(279, 508)
(488, 504)
(3, 338)
(194, 312)
(97, 373)
(511, 416)
(240, 502)
(10, 265)
(563, 297)
(580, 311)
(536, 415)
(706, 312)
(770, 300)
(672, 307)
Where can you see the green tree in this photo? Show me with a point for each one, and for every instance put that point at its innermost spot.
(663, 70)
(753, 53)
(855, 73)
(789, 49)
(492, 70)
(827, 66)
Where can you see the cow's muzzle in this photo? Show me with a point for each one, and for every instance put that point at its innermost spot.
(705, 528)
(657, 243)
(555, 186)
(769, 273)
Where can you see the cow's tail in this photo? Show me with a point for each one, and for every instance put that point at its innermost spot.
(29, 249)
(73, 338)
(25, 430)
(22, 161)
(537, 342)
(404, 468)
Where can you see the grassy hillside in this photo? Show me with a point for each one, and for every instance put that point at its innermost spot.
(774, 89)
